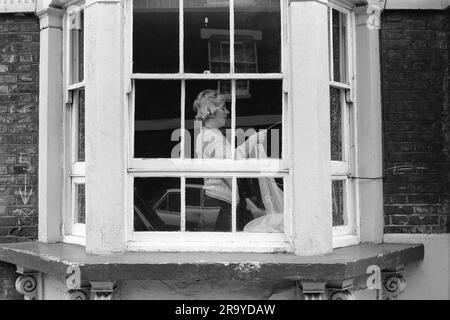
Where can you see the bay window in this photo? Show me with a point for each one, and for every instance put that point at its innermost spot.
(342, 128)
(284, 76)
(74, 122)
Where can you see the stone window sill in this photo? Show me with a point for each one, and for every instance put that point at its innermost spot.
(61, 259)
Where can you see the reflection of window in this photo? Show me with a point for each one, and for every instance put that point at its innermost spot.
(183, 199)
(75, 121)
(245, 57)
(341, 119)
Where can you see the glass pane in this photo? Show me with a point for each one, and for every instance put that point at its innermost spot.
(81, 126)
(155, 36)
(208, 119)
(339, 46)
(81, 203)
(336, 124)
(208, 204)
(157, 204)
(258, 107)
(339, 218)
(261, 205)
(257, 36)
(76, 26)
(206, 36)
(157, 119)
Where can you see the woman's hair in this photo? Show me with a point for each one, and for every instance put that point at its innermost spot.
(207, 102)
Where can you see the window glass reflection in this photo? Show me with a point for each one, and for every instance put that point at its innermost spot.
(81, 204)
(157, 203)
(339, 46)
(157, 119)
(155, 36)
(206, 36)
(338, 203)
(261, 205)
(76, 65)
(208, 204)
(257, 36)
(259, 107)
(336, 124)
(81, 126)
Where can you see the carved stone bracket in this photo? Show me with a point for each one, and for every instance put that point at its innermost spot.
(26, 283)
(102, 290)
(393, 283)
(312, 290)
(77, 295)
(342, 290)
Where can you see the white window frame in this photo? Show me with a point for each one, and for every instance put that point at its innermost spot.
(348, 234)
(74, 170)
(186, 168)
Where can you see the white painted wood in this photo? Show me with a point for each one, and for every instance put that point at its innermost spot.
(232, 32)
(233, 203)
(105, 128)
(261, 246)
(209, 241)
(75, 240)
(10, 6)
(262, 166)
(312, 223)
(207, 76)
(51, 178)
(369, 129)
(345, 241)
(183, 204)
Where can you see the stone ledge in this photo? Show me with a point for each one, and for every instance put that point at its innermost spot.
(341, 264)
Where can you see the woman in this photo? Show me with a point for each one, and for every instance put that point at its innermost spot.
(210, 109)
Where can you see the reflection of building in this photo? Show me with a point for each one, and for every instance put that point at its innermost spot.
(401, 206)
(246, 56)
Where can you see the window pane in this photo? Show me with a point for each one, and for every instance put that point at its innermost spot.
(157, 118)
(76, 26)
(339, 218)
(213, 121)
(257, 36)
(155, 36)
(259, 107)
(208, 204)
(336, 124)
(339, 46)
(206, 36)
(157, 204)
(261, 205)
(81, 126)
(81, 204)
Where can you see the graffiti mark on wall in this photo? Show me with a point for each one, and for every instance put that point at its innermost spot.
(409, 169)
(25, 192)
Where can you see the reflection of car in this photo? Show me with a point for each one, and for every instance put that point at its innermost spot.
(198, 216)
(163, 213)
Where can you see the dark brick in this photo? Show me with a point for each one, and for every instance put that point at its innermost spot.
(415, 84)
(19, 67)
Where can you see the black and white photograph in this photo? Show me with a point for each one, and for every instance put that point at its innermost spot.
(224, 156)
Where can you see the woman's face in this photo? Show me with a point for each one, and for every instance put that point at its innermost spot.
(219, 118)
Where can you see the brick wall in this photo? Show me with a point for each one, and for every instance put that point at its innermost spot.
(19, 62)
(416, 129)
